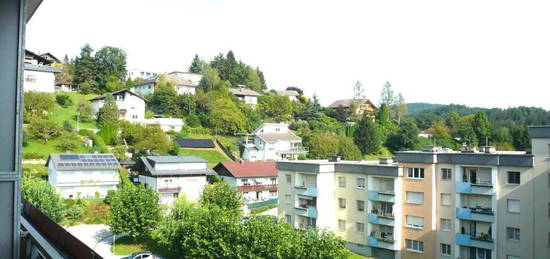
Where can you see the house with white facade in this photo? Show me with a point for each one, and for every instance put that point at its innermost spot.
(186, 83)
(39, 78)
(291, 94)
(83, 175)
(272, 142)
(143, 74)
(256, 180)
(246, 95)
(172, 176)
(131, 106)
(166, 124)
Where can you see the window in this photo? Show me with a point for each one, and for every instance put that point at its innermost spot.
(342, 203)
(414, 245)
(512, 233)
(360, 183)
(415, 222)
(134, 116)
(341, 224)
(445, 249)
(342, 181)
(446, 174)
(415, 173)
(445, 199)
(513, 178)
(445, 224)
(415, 197)
(360, 205)
(245, 182)
(513, 206)
(175, 195)
(30, 78)
(288, 219)
(273, 180)
(288, 198)
(119, 97)
(360, 227)
(288, 178)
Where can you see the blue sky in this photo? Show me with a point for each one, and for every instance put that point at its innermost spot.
(478, 53)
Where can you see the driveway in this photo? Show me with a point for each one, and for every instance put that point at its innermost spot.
(97, 237)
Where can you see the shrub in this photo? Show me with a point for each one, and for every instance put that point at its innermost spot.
(99, 144)
(86, 132)
(64, 100)
(33, 155)
(70, 142)
(67, 126)
(193, 120)
(44, 130)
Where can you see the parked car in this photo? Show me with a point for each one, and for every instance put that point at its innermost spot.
(141, 255)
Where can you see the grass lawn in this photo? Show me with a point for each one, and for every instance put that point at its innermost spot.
(229, 142)
(356, 256)
(49, 147)
(36, 170)
(61, 114)
(211, 155)
(384, 152)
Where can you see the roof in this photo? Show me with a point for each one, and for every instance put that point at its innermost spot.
(147, 81)
(346, 103)
(103, 96)
(248, 168)
(170, 77)
(31, 67)
(539, 131)
(274, 137)
(40, 59)
(195, 143)
(243, 91)
(183, 72)
(146, 166)
(288, 93)
(71, 162)
(50, 57)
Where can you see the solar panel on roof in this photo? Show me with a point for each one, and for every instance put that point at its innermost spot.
(68, 157)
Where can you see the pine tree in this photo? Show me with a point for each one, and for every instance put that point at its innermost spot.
(262, 78)
(367, 136)
(196, 65)
(358, 91)
(108, 114)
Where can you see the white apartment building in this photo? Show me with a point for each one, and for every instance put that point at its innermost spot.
(131, 106)
(83, 175)
(256, 180)
(272, 142)
(357, 200)
(172, 176)
(39, 78)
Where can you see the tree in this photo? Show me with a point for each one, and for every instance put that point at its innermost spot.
(164, 99)
(84, 67)
(387, 95)
(43, 130)
(262, 78)
(277, 107)
(42, 195)
(134, 210)
(400, 107)
(480, 124)
(406, 138)
(84, 110)
(210, 80)
(70, 142)
(439, 130)
(37, 106)
(253, 81)
(226, 116)
(383, 114)
(187, 103)
(367, 136)
(348, 150)
(108, 114)
(154, 141)
(67, 70)
(223, 196)
(358, 91)
(110, 66)
(64, 100)
(197, 65)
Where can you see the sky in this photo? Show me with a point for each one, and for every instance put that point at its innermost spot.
(477, 53)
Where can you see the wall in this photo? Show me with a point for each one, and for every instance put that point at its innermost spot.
(87, 183)
(285, 207)
(183, 89)
(183, 166)
(350, 214)
(191, 186)
(144, 89)
(44, 81)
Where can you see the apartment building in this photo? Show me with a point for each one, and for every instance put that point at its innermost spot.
(354, 199)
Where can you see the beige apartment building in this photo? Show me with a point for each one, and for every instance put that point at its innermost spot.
(433, 203)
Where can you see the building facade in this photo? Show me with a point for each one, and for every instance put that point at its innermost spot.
(131, 106)
(246, 95)
(185, 83)
(272, 142)
(83, 175)
(256, 180)
(173, 176)
(39, 78)
(140, 73)
(357, 200)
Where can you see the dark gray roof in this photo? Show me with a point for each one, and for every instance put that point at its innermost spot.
(195, 143)
(241, 91)
(103, 96)
(84, 162)
(539, 131)
(31, 67)
(147, 166)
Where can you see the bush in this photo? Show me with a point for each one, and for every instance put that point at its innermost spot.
(99, 144)
(86, 132)
(64, 100)
(67, 126)
(33, 155)
(193, 120)
(43, 130)
(70, 142)
(74, 211)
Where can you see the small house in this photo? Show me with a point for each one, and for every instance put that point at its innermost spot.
(256, 180)
(131, 106)
(272, 142)
(246, 95)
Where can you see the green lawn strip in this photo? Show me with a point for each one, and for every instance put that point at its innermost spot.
(262, 209)
(61, 114)
(229, 142)
(211, 155)
(36, 170)
(45, 148)
(384, 152)
(356, 256)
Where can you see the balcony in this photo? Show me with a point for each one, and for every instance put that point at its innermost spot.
(293, 151)
(385, 196)
(477, 214)
(310, 212)
(382, 242)
(306, 191)
(169, 190)
(380, 219)
(481, 188)
(480, 241)
(257, 187)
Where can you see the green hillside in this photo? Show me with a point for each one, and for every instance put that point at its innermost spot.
(61, 114)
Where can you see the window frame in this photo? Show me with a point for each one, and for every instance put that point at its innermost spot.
(446, 174)
(288, 178)
(342, 181)
(508, 206)
(341, 224)
(444, 247)
(450, 199)
(516, 232)
(510, 176)
(419, 171)
(361, 187)
(407, 198)
(414, 226)
(340, 202)
(357, 224)
(412, 245)
(362, 207)
(441, 225)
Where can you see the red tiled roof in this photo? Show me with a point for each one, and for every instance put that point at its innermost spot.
(251, 169)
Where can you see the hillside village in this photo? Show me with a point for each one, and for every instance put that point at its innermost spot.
(104, 138)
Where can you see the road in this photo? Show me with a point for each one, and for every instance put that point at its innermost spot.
(98, 237)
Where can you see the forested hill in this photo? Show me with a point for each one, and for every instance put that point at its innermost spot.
(416, 108)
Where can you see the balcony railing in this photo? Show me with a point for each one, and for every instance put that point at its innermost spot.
(257, 187)
(481, 240)
(386, 196)
(474, 188)
(169, 190)
(306, 190)
(381, 219)
(306, 211)
(293, 150)
(477, 214)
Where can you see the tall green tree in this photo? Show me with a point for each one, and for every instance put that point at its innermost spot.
(223, 196)
(406, 138)
(84, 67)
(253, 81)
(262, 78)
(387, 95)
(226, 116)
(358, 91)
(277, 107)
(165, 98)
(210, 80)
(383, 114)
(367, 136)
(196, 66)
(108, 114)
(42, 195)
(400, 107)
(67, 72)
(481, 126)
(110, 66)
(134, 210)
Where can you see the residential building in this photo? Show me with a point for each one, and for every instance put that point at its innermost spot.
(357, 200)
(131, 106)
(143, 74)
(51, 58)
(39, 78)
(172, 176)
(166, 124)
(185, 83)
(246, 95)
(291, 94)
(83, 175)
(271, 142)
(360, 106)
(256, 180)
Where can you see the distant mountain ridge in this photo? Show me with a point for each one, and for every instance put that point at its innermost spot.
(415, 108)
